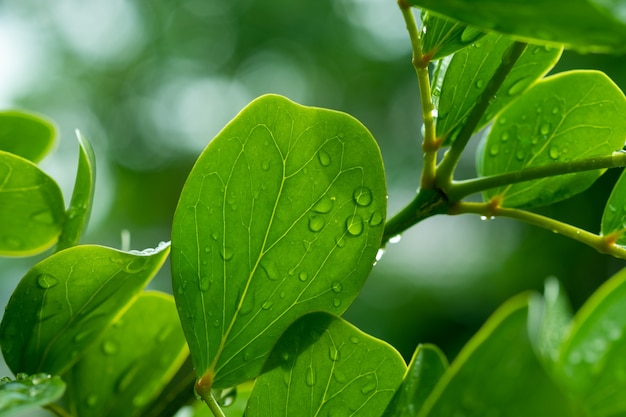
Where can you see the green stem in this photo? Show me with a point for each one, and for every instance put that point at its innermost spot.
(603, 244)
(460, 189)
(57, 410)
(430, 144)
(213, 405)
(451, 159)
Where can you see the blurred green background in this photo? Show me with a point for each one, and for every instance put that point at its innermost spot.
(151, 82)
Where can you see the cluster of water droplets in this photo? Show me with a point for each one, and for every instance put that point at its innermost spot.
(25, 388)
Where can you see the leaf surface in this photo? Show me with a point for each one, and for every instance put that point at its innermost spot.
(31, 207)
(25, 134)
(67, 300)
(442, 37)
(282, 214)
(134, 360)
(565, 117)
(582, 24)
(325, 366)
(614, 215)
(28, 392)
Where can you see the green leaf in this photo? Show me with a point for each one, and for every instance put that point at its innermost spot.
(325, 366)
(462, 79)
(67, 300)
(614, 215)
(442, 37)
(566, 117)
(134, 360)
(592, 361)
(583, 24)
(31, 207)
(28, 392)
(496, 371)
(282, 214)
(426, 368)
(82, 198)
(25, 134)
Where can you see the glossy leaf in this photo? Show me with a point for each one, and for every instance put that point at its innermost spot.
(28, 392)
(82, 197)
(282, 214)
(497, 373)
(325, 366)
(566, 117)
(582, 24)
(592, 361)
(442, 37)
(461, 79)
(25, 134)
(426, 368)
(67, 300)
(133, 360)
(614, 216)
(31, 207)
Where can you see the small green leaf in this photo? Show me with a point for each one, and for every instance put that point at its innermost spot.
(426, 368)
(592, 362)
(82, 198)
(133, 360)
(497, 373)
(31, 207)
(582, 24)
(67, 300)
(325, 366)
(25, 134)
(566, 117)
(28, 392)
(461, 79)
(614, 215)
(282, 214)
(442, 37)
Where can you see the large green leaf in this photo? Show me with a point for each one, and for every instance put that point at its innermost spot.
(31, 207)
(28, 392)
(460, 80)
(133, 360)
(323, 366)
(442, 37)
(426, 368)
(614, 215)
(26, 135)
(583, 24)
(282, 214)
(566, 117)
(592, 362)
(67, 300)
(82, 197)
(497, 373)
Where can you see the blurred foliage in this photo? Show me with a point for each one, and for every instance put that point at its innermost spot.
(151, 82)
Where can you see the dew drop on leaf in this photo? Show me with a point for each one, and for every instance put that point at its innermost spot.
(362, 196)
(204, 283)
(545, 129)
(376, 218)
(336, 286)
(46, 281)
(303, 276)
(325, 205)
(333, 353)
(43, 217)
(265, 165)
(226, 253)
(520, 154)
(494, 149)
(337, 302)
(354, 225)
(554, 152)
(340, 241)
(480, 84)
(504, 136)
(316, 223)
(324, 158)
(267, 305)
(310, 377)
(517, 87)
(270, 271)
(109, 347)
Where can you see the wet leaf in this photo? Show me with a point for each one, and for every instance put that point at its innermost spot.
(133, 360)
(28, 392)
(585, 25)
(325, 366)
(498, 373)
(25, 134)
(82, 198)
(65, 302)
(282, 214)
(592, 362)
(566, 117)
(442, 37)
(460, 81)
(614, 215)
(426, 368)
(31, 207)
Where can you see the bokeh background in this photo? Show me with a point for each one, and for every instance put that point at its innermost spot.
(150, 82)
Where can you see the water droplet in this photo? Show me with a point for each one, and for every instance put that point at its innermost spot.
(324, 158)
(91, 401)
(325, 205)
(545, 129)
(480, 84)
(136, 265)
(520, 154)
(46, 281)
(216, 323)
(502, 120)
(265, 165)
(518, 86)
(369, 386)
(21, 376)
(336, 286)
(215, 235)
(270, 270)
(316, 223)
(303, 276)
(82, 336)
(362, 196)
(282, 294)
(205, 283)
(12, 243)
(340, 241)
(556, 110)
(470, 34)
(376, 218)
(485, 218)
(43, 217)
(310, 377)
(267, 305)
(504, 136)
(395, 239)
(379, 255)
(339, 376)
(354, 225)
(333, 353)
(554, 152)
(337, 302)
(226, 253)
(109, 347)
(494, 149)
